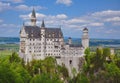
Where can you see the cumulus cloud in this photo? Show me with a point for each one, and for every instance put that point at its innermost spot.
(65, 2)
(22, 7)
(27, 17)
(10, 26)
(107, 13)
(41, 16)
(103, 24)
(95, 24)
(4, 6)
(92, 21)
(50, 20)
(28, 8)
(61, 16)
(77, 20)
(113, 19)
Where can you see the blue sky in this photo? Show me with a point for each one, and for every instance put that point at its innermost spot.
(101, 17)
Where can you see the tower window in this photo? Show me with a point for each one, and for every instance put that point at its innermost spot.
(70, 62)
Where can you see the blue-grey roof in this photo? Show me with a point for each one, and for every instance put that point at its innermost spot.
(35, 32)
(85, 29)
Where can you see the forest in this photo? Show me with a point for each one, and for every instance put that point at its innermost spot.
(98, 67)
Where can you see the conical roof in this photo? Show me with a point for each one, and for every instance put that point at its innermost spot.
(85, 29)
(43, 24)
(33, 13)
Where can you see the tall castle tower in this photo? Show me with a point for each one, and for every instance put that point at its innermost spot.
(33, 18)
(43, 40)
(69, 40)
(85, 38)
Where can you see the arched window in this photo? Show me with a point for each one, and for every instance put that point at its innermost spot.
(70, 62)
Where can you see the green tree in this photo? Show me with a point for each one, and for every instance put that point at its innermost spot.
(45, 78)
(22, 75)
(113, 73)
(6, 74)
(87, 53)
(63, 71)
(106, 52)
(14, 57)
(81, 78)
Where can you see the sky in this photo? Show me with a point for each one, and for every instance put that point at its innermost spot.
(101, 17)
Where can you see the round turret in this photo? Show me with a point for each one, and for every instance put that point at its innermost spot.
(85, 38)
(85, 30)
(69, 40)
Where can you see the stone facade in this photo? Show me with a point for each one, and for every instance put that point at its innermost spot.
(39, 42)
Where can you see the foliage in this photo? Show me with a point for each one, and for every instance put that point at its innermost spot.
(102, 67)
(45, 78)
(14, 57)
(96, 69)
(62, 70)
(14, 70)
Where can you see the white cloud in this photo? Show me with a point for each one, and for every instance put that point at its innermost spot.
(38, 15)
(66, 2)
(24, 17)
(113, 19)
(61, 16)
(4, 6)
(10, 26)
(28, 8)
(76, 20)
(92, 21)
(107, 13)
(41, 16)
(8, 6)
(95, 24)
(22, 7)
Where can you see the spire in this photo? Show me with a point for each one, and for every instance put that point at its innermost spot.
(33, 13)
(33, 18)
(43, 24)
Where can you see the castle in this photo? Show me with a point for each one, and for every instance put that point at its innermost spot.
(38, 42)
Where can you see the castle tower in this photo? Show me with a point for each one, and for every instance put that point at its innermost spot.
(69, 40)
(22, 39)
(43, 40)
(33, 18)
(85, 38)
